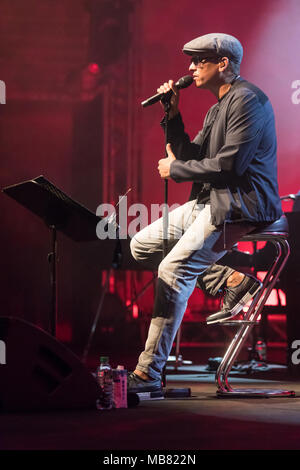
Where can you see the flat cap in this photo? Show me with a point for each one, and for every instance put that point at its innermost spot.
(216, 44)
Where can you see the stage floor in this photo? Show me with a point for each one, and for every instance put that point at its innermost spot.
(199, 422)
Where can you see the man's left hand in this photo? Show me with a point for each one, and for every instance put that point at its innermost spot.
(165, 163)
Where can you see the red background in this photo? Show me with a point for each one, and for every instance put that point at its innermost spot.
(269, 32)
(45, 128)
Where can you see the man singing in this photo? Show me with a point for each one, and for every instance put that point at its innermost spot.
(233, 166)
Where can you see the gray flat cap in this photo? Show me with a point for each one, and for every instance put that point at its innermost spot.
(217, 44)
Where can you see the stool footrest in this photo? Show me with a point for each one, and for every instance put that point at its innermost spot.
(254, 393)
(238, 322)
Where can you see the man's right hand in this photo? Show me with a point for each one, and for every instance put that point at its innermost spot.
(174, 101)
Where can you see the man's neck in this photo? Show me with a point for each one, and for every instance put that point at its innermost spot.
(221, 88)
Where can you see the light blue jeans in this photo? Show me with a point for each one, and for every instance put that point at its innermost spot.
(194, 246)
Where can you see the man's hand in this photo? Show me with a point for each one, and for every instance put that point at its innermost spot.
(165, 163)
(165, 88)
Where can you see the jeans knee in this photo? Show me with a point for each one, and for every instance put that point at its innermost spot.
(134, 248)
(165, 272)
(138, 249)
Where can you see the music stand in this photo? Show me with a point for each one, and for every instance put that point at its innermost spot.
(59, 212)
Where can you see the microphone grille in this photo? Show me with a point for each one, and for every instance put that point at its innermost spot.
(185, 81)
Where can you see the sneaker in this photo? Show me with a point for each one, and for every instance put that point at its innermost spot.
(146, 389)
(235, 299)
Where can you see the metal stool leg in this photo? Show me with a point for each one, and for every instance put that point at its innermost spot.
(224, 389)
(253, 311)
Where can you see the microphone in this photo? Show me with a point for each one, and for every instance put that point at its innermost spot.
(183, 82)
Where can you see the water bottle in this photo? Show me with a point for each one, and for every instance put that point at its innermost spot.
(120, 387)
(261, 349)
(105, 381)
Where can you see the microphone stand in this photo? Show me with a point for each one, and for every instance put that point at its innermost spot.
(179, 392)
(167, 107)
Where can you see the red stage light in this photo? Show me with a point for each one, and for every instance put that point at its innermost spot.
(135, 311)
(112, 284)
(134, 307)
(93, 68)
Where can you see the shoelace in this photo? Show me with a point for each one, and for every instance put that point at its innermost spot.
(135, 378)
(228, 296)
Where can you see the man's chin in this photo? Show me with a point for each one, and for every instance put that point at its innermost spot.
(200, 84)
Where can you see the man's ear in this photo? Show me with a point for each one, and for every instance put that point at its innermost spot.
(224, 62)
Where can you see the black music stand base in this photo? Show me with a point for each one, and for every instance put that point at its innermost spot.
(52, 260)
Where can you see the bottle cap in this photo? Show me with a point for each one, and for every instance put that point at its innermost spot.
(104, 359)
(120, 367)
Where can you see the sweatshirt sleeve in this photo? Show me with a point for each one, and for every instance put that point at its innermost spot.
(184, 149)
(245, 124)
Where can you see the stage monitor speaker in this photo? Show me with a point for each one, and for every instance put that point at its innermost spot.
(39, 373)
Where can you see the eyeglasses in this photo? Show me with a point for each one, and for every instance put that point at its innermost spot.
(197, 60)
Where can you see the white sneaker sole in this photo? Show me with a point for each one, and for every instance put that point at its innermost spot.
(238, 307)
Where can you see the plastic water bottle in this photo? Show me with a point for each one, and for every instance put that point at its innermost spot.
(261, 349)
(105, 381)
(120, 387)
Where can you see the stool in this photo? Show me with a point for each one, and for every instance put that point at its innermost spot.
(277, 234)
